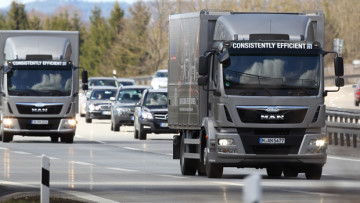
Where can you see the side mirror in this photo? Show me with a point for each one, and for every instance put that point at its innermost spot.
(203, 65)
(339, 66)
(85, 86)
(84, 76)
(339, 82)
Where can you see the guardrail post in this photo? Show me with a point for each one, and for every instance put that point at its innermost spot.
(347, 140)
(342, 139)
(354, 141)
(336, 139)
(330, 138)
(45, 179)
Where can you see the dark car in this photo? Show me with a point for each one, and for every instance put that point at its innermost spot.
(122, 111)
(151, 115)
(99, 103)
(357, 94)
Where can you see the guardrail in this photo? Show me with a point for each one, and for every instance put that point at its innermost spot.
(343, 126)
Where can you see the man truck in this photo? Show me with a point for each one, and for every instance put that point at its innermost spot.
(247, 90)
(39, 80)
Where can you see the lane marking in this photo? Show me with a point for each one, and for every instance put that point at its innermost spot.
(130, 148)
(172, 176)
(88, 196)
(82, 163)
(343, 159)
(4, 148)
(20, 152)
(122, 169)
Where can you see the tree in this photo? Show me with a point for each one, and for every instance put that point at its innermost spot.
(16, 17)
(116, 18)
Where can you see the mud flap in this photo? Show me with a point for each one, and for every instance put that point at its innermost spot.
(176, 146)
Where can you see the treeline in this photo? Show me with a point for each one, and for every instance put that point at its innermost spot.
(138, 43)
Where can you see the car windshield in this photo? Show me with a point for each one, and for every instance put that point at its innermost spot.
(44, 81)
(275, 75)
(102, 82)
(156, 100)
(161, 74)
(102, 94)
(129, 96)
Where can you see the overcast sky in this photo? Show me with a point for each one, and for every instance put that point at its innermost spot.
(5, 3)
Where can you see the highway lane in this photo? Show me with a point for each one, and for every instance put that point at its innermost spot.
(105, 166)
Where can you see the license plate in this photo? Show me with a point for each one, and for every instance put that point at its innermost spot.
(39, 122)
(272, 140)
(164, 125)
(106, 113)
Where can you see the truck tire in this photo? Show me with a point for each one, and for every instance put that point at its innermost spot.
(188, 166)
(213, 170)
(274, 171)
(142, 134)
(54, 138)
(6, 137)
(68, 138)
(314, 172)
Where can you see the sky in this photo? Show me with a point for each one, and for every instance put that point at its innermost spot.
(5, 3)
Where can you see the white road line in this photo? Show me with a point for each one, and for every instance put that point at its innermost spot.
(130, 148)
(4, 148)
(343, 159)
(20, 152)
(122, 169)
(88, 196)
(82, 163)
(171, 176)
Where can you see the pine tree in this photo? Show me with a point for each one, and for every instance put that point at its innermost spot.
(16, 17)
(116, 18)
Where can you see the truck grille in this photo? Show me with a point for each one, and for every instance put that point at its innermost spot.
(260, 115)
(35, 109)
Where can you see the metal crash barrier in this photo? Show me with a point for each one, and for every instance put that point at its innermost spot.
(343, 127)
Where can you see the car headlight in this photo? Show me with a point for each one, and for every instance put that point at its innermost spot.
(146, 115)
(91, 107)
(97, 108)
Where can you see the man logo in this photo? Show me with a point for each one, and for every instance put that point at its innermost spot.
(39, 110)
(272, 117)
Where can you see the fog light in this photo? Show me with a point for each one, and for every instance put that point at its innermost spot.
(226, 142)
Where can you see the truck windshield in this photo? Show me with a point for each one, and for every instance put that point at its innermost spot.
(40, 81)
(272, 75)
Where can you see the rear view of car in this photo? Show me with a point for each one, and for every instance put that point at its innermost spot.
(122, 111)
(357, 94)
(151, 116)
(160, 79)
(102, 81)
(99, 103)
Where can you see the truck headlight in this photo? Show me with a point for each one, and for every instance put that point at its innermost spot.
(317, 143)
(71, 122)
(7, 121)
(146, 115)
(226, 142)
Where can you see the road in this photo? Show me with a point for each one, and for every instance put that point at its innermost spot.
(105, 166)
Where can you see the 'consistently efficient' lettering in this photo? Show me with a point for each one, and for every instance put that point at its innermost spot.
(271, 45)
(39, 63)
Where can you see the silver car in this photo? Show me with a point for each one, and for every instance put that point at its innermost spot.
(99, 103)
(122, 111)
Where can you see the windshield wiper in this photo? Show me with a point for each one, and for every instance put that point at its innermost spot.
(24, 92)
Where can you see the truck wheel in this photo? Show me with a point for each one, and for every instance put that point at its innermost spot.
(213, 170)
(290, 172)
(54, 139)
(313, 172)
(67, 138)
(188, 166)
(201, 169)
(274, 172)
(142, 135)
(6, 137)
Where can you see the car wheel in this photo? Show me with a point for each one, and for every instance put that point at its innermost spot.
(87, 118)
(142, 134)
(6, 137)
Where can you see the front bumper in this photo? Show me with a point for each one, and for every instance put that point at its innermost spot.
(155, 126)
(124, 119)
(39, 126)
(237, 155)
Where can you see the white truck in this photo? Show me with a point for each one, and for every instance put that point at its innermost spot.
(39, 80)
(247, 90)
